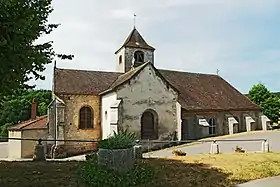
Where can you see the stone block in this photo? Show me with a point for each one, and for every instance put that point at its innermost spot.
(119, 160)
(138, 151)
(214, 149)
(265, 146)
(39, 152)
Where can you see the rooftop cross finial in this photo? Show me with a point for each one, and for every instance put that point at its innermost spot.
(134, 20)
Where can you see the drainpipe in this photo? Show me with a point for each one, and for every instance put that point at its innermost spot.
(55, 123)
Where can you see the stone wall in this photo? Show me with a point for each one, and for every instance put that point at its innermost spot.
(75, 148)
(73, 104)
(190, 122)
(127, 55)
(148, 91)
(28, 147)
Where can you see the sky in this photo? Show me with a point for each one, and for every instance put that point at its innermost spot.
(241, 38)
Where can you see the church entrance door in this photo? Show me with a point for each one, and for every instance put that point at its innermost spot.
(149, 125)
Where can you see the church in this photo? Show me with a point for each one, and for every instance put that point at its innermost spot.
(156, 104)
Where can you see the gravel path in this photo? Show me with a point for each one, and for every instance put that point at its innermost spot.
(268, 182)
(273, 138)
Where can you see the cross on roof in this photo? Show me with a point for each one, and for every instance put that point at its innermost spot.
(134, 19)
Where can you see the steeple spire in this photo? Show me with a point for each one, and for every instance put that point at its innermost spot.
(135, 40)
(134, 51)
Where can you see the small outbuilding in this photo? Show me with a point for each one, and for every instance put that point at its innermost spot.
(34, 128)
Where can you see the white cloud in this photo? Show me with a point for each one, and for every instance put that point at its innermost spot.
(192, 35)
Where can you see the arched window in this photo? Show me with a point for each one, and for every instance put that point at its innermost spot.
(86, 118)
(120, 59)
(212, 126)
(139, 56)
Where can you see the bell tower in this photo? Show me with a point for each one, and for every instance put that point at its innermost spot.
(134, 52)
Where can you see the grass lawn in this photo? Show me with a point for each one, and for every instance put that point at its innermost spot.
(201, 170)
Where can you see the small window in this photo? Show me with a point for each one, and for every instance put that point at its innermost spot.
(139, 56)
(120, 59)
(212, 126)
(86, 118)
(106, 114)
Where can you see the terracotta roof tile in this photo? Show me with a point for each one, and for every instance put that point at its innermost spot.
(196, 91)
(206, 91)
(68, 81)
(32, 124)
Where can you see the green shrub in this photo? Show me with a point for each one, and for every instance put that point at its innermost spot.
(121, 140)
(91, 156)
(179, 153)
(95, 175)
(239, 149)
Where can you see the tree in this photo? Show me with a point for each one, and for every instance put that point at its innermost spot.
(271, 108)
(269, 103)
(22, 22)
(17, 108)
(259, 93)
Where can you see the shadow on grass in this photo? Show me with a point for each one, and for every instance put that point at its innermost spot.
(66, 174)
(177, 173)
(40, 174)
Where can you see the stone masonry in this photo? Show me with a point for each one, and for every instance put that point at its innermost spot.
(148, 91)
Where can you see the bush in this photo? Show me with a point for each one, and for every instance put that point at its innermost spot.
(95, 175)
(121, 140)
(239, 149)
(91, 156)
(179, 153)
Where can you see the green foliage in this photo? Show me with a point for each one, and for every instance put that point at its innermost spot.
(271, 108)
(179, 153)
(239, 149)
(259, 93)
(17, 107)
(95, 175)
(121, 140)
(268, 101)
(91, 156)
(22, 57)
(277, 94)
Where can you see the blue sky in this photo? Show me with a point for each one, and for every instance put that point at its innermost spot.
(239, 37)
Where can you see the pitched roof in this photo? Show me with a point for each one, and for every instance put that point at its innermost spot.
(69, 81)
(32, 124)
(135, 39)
(130, 74)
(196, 91)
(207, 92)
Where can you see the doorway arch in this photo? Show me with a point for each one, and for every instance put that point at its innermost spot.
(149, 125)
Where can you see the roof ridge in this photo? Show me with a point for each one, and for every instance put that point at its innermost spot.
(28, 122)
(132, 72)
(33, 121)
(88, 70)
(178, 71)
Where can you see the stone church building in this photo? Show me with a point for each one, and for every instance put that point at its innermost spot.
(156, 104)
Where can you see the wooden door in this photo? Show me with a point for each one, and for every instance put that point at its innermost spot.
(148, 130)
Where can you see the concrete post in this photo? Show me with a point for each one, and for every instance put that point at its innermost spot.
(265, 146)
(214, 149)
(39, 152)
(138, 150)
